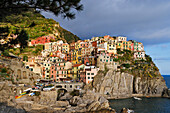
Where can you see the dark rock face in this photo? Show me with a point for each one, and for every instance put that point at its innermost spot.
(8, 109)
(123, 85)
(166, 92)
(150, 86)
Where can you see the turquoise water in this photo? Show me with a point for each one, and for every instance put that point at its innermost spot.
(146, 105)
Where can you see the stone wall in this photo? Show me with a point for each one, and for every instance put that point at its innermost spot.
(19, 73)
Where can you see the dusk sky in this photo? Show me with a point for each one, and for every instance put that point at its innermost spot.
(146, 21)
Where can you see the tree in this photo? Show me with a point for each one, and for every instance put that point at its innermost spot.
(23, 38)
(5, 53)
(25, 58)
(3, 70)
(58, 7)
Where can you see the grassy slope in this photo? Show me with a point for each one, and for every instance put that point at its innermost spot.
(42, 26)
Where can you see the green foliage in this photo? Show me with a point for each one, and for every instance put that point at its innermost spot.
(3, 70)
(148, 58)
(23, 38)
(126, 65)
(5, 53)
(155, 68)
(34, 24)
(37, 93)
(25, 58)
(57, 7)
(68, 36)
(116, 59)
(38, 49)
(119, 51)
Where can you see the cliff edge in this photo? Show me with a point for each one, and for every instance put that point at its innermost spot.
(132, 78)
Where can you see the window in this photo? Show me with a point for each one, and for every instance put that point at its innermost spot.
(47, 71)
(92, 73)
(92, 77)
(88, 73)
(65, 86)
(88, 77)
(52, 76)
(57, 75)
(101, 60)
(106, 60)
(70, 86)
(52, 71)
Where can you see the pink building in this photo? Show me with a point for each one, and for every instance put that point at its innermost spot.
(91, 71)
(53, 72)
(61, 71)
(86, 60)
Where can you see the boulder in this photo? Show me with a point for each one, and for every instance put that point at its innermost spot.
(61, 104)
(76, 100)
(93, 106)
(67, 96)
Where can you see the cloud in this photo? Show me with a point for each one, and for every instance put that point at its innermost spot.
(142, 20)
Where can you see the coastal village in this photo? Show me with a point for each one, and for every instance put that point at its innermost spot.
(78, 61)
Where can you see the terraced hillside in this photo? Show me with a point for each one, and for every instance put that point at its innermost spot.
(35, 25)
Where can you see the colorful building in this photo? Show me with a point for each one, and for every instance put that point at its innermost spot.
(42, 40)
(91, 72)
(76, 70)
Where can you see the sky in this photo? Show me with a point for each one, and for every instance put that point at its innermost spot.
(146, 21)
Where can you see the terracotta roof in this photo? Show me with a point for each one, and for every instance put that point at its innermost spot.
(77, 65)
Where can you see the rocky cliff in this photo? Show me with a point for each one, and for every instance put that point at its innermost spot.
(114, 84)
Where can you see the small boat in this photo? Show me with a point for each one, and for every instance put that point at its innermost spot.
(137, 98)
(147, 96)
(130, 111)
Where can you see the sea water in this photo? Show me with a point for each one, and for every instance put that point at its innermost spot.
(146, 105)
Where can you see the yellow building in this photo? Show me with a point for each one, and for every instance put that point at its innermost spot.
(123, 45)
(129, 45)
(79, 57)
(77, 44)
(76, 70)
(74, 56)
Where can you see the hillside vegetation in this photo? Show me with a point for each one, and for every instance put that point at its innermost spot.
(140, 68)
(35, 25)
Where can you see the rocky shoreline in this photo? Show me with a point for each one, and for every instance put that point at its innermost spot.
(50, 102)
(92, 99)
